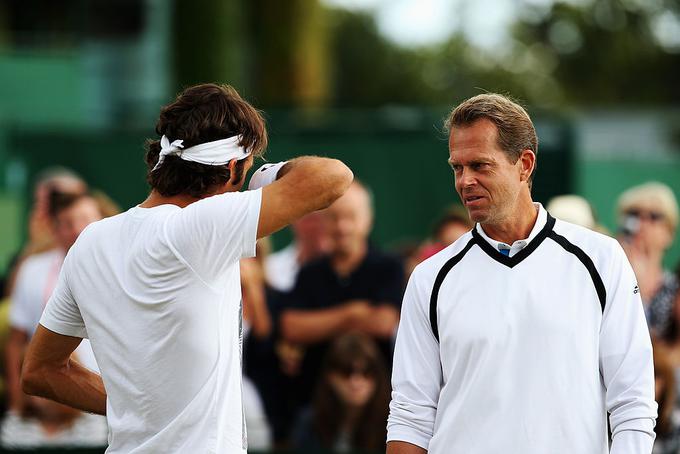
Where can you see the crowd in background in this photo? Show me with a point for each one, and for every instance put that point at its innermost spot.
(319, 316)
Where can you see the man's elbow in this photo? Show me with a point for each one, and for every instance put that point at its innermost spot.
(32, 379)
(338, 179)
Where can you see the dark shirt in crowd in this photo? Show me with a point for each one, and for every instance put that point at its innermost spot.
(379, 278)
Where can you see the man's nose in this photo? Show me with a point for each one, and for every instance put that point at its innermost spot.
(466, 178)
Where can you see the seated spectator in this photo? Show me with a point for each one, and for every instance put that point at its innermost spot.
(40, 236)
(355, 288)
(256, 323)
(668, 423)
(310, 241)
(48, 423)
(648, 217)
(350, 407)
(451, 226)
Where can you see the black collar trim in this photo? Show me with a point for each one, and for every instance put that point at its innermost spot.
(510, 262)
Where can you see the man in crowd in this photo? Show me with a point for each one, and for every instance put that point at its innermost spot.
(524, 334)
(69, 214)
(156, 289)
(354, 288)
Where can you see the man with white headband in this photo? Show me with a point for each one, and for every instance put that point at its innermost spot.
(156, 289)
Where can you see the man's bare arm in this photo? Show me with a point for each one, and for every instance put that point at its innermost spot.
(402, 447)
(303, 185)
(49, 372)
(309, 326)
(302, 326)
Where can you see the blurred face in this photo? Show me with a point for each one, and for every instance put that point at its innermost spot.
(450, 232)
(651, 226)
(354, 387)
(350, 220)
(69, 223)
(488, 184)
(312, 233)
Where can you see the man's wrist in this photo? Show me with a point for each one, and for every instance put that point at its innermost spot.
(267, 174)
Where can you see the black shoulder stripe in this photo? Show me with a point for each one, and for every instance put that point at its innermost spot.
(450, 263)
(587, 262)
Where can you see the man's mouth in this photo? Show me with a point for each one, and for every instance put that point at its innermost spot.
(472, 199)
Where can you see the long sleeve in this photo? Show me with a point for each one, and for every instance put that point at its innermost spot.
(626, 361)
(416, 375)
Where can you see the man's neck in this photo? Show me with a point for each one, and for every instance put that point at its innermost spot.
(155, 199)
(345, 262)
(517, 227)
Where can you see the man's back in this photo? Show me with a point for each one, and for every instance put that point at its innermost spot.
(159, 292)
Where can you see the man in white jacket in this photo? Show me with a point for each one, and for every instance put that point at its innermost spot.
(523, 335)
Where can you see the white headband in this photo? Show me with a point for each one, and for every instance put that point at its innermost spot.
(216, 153)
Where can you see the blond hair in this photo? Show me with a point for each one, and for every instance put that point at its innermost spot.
(650, 195)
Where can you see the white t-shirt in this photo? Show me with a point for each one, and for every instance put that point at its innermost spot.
(524, 354)
(157, 291)
(35, 282)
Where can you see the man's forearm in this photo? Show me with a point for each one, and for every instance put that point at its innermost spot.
(309, 326)
(402, 447)
(72, 385)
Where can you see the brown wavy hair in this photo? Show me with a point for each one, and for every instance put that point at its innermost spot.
(370, 430)
(199, 114)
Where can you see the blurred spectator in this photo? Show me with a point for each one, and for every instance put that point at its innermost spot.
(49, 423)
(451, 226)
(311, 240)
(668, 423)
(648, 217)
(256, 322)
(256, 317)
(50, 181)
(40, 236)
(349, 410)
(574, 209)
(355, 288)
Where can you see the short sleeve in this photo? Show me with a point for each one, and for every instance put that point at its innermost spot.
(212, 234)
(61, 313)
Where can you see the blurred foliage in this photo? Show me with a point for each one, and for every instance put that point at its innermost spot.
(607, 52)
(599, 52)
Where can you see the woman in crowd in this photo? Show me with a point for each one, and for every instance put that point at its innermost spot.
(668, 423)
(648, 217)
(349, 411)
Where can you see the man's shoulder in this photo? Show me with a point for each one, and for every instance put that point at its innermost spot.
(585, 239)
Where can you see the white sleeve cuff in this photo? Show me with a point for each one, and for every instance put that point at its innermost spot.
(397, 432)
(265, 175)
(634, 437)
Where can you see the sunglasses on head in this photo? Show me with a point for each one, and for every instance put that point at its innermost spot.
(653, 216)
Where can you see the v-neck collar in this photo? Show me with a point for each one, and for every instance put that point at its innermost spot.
(510, 262)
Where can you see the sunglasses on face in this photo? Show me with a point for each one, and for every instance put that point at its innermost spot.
(653, 216)
(347, 372)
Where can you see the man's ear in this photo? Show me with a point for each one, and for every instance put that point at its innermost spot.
(527, 160)
(233, 178)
